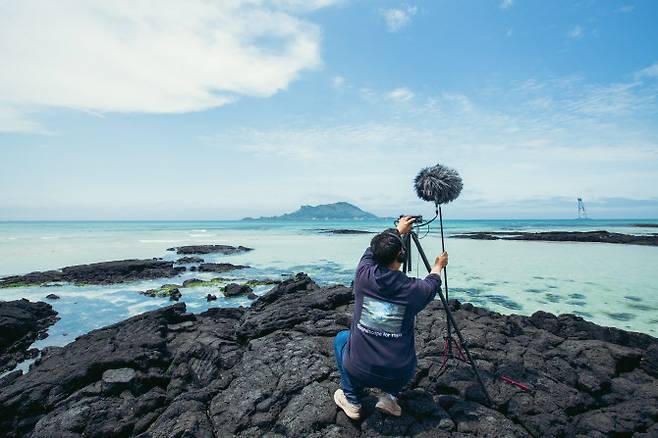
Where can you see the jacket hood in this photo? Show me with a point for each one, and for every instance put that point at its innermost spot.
(387, 280)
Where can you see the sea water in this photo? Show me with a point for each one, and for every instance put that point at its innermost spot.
(609, 284)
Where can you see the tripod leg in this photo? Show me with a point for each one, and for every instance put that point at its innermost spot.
(451, 320)
(445, 281)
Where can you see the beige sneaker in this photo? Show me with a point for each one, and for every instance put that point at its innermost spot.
(351, 410)
(388, 404)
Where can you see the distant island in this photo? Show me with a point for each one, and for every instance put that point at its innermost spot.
(335, 211)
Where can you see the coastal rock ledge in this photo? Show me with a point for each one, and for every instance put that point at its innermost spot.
(269, 371)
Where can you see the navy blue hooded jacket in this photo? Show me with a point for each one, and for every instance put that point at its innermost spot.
(382, 347)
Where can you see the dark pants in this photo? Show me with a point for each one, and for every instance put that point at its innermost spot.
(352, 387)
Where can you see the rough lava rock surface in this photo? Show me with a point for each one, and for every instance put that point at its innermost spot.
(100, 273)
(269, 371)
(21, 323)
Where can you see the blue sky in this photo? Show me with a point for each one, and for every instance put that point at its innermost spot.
(224, 109)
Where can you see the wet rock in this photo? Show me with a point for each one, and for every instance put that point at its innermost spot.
(210, 249)
(269, 371)
(170, 291)
(52, 297)
(236, 290)
(189, 259)
(192, 282)
(564, 236)
(99, 273)
(21, 323)
(175, 295)
(220, 267)
(211, 297)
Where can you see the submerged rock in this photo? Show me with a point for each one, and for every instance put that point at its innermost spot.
(52, 297)
(564, 236)
(99, 273)
(210, 249)
(21, 323)
(166, 290)
(269, 370)
(220, 267)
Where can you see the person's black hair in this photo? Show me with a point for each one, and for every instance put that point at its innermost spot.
(386, 246)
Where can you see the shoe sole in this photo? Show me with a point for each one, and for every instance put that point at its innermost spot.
(386, 411)
(339, 404)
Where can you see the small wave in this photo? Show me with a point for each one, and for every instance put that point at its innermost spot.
(199, 231)
(49, 237)
(12, 238)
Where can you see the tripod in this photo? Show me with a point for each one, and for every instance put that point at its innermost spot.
(450, 320)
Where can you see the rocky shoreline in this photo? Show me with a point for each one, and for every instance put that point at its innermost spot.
(269, 370)
(120, 271)
(22, 323)
(564, 236)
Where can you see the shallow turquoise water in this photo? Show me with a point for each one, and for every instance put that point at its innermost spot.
(612, 285)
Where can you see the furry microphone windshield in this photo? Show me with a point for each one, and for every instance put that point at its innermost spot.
(438, 184)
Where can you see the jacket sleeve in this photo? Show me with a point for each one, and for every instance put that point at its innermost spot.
(424, 291)
(367, 260)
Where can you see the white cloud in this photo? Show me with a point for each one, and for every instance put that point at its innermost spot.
(12, 120)
(142, 57)
(576, 32)
(338, 82)
(396, 19)
(401, 94)
(649, 72)
(506, 4)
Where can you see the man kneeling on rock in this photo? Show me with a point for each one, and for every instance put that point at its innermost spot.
(379, 350)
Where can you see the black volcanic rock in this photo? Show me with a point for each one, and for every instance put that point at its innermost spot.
(99, 273)
(52, 297)
(236, 290)
(210, 249)
(220, 267)
(189, 259)
(270, 371)
(564, 236)
(344, 231)
(21, 323)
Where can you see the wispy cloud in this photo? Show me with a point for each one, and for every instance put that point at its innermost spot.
(561, 137)
(576, 32)
(396, 19)
(626, 8)
(338, 82)
(401, 94)
(133, 57)
(506, 4)
(648, 72)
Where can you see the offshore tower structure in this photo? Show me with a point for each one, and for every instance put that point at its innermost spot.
(582, 213)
